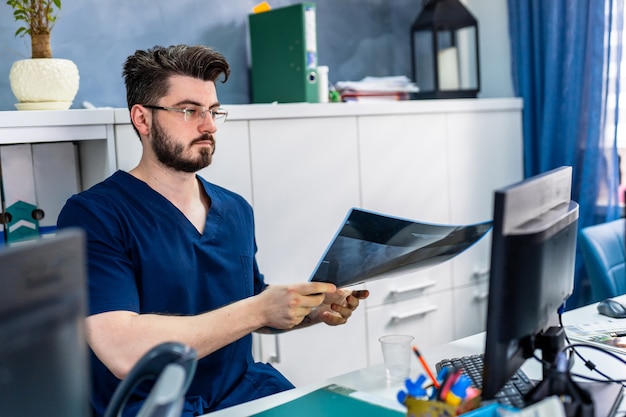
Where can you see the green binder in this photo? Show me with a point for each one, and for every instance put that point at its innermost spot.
(283, 45)
(330, 401)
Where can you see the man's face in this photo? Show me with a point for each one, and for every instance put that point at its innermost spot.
(179, 144)
(180, 156)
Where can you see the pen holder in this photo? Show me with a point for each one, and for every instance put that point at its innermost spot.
(423, 408)
(426, 408)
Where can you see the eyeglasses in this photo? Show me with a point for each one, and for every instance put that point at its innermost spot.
(193, 113)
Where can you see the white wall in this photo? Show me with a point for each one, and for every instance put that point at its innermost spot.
(495, 51)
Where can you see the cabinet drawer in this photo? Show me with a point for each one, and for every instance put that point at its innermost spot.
(472, 266)
(470, 309)
(410, 285)
(428, 319)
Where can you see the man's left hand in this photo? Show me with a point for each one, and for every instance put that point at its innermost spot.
(338, 306)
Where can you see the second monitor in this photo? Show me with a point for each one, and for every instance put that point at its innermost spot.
(533, 258)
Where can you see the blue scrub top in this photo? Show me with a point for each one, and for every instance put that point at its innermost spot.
(145, 256)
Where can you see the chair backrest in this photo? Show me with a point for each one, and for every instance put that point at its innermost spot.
(603, 250)
(173, 366)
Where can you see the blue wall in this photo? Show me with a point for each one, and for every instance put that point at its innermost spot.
(355, 38)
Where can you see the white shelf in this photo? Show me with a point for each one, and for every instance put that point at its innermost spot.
(55, 125)
(34, 118)
(92, 129)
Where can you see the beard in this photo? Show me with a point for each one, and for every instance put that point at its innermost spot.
(170, 154)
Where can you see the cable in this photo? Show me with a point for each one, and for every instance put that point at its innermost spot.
(606, 377)
(589, 364)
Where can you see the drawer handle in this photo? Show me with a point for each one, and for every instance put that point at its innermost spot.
(481, 296)
(481, 274)
(419, 287)
(420, 312)
(275, 358)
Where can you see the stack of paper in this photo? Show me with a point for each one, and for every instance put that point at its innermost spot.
(609, 334)
(377, 88)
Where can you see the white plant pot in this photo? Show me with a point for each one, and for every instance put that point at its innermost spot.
(44, 83)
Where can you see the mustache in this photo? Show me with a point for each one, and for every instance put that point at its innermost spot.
(203, 138)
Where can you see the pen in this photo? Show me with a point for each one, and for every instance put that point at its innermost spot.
(426, 368)
(450, 379)
(617, 334)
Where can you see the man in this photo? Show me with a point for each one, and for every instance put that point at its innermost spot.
(171, 257)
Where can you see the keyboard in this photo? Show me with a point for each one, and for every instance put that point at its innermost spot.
(512, 394)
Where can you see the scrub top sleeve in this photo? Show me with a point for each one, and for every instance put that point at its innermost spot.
(111, 281)
(259, 280)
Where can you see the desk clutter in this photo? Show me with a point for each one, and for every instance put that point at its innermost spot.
(451, 394)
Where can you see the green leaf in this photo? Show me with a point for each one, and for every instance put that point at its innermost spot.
(37, 15)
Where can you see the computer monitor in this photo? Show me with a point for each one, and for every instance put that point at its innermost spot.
(43, 354)
(533, 255)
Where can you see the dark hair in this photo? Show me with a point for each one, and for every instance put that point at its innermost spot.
(146, 73)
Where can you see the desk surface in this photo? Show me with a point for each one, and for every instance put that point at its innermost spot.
(372, 381)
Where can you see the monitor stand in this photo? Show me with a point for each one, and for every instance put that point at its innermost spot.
(580, 398)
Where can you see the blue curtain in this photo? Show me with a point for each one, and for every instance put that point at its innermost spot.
(561, 69)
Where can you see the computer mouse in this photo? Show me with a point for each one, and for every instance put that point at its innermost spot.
(612, 308)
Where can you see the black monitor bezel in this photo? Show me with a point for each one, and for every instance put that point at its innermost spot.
(42, 311)
(512, 328)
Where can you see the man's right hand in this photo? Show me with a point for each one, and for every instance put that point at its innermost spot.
(285, 306)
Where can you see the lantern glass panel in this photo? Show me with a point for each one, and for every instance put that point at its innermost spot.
(468, 59)
(424, 60)
(448, 61)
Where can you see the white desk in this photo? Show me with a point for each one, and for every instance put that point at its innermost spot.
(372, 380)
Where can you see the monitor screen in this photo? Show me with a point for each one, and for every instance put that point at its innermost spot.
(43, 354)
(533, 255)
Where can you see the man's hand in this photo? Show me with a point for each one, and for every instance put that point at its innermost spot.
(285, 306)
(338, 306)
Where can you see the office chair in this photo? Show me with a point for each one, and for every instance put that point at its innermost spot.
(173, 366)
(603, 251)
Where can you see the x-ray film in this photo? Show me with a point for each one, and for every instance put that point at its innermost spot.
(370, 245)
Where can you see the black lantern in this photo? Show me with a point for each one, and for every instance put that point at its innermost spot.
(444, 49)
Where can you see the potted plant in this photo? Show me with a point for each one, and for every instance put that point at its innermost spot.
(42, 82)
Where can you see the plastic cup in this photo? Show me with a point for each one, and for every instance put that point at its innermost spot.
(397, 356)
